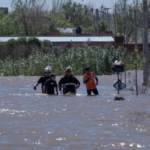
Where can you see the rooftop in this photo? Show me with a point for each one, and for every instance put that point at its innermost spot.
(68, 38)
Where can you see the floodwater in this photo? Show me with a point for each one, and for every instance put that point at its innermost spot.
(30, 120)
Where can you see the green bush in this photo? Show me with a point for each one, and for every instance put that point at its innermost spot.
(22, 40)
(33, 40)
(100, 59)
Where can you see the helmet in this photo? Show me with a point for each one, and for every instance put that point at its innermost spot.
(47, 69)
(69, 68)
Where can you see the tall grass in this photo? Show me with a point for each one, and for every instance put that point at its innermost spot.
(100, 59)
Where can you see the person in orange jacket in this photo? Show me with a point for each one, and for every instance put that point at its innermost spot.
(91, 81)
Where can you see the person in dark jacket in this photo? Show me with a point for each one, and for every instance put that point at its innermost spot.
(51, 86)
(42, 80)
(69, 83)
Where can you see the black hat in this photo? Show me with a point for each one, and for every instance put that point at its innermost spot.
(87, 68)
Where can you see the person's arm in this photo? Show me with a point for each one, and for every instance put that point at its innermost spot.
(39, 81)
(96, 79)
(77, 83)
(56, 87)
(35, 86)
(57, 90)
(60, 84)
(85, 80)
(44, 89)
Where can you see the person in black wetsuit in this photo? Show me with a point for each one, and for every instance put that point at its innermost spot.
(42, 80)
(69, 83)
(50, 86)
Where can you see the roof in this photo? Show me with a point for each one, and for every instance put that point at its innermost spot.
(68, 38)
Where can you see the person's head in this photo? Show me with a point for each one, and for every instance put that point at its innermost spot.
(53, 76)
(69, 71)
(87, 70)
(47, 71)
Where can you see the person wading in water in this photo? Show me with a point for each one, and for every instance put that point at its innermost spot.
(50, 86)
(69, 83)
(42, 80)
(91, 81)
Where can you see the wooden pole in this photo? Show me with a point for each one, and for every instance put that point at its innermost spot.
(126, 23)
(115, 18)
(136, 47)
(97, 16)
(145, 42)
(126, 32)
(94, 25)
(108, 21)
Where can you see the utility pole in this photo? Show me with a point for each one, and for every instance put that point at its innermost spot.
(137, 3)
(135, 30)
(145, 42)
(141, 19)
(126, 32)
(97, 18)
(102, 12)
(108, 21)
(126, 22)
(115, 19)
(94, 25)
(92, 11)
(136, 47)
(125, 4)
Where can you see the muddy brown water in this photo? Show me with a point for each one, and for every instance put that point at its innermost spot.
(30, 120)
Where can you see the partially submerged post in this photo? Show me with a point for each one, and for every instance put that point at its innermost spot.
(119, 85)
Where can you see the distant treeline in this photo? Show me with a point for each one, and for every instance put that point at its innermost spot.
(33, 17)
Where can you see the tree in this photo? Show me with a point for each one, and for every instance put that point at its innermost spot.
(77, 14)
(125, 13)
(57, 5)
(33, 15)
(9, 26)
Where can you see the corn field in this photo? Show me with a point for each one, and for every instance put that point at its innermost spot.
(99, 59)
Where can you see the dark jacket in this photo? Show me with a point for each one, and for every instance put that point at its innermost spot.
(43, 80)
(69, 84)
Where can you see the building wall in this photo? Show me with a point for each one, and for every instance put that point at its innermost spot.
(71, 44)
(131, 47)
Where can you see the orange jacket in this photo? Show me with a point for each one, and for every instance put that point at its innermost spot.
(90, 84)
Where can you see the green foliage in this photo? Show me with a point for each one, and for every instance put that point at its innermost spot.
(139, 60)
(22, 40)
(32, 15)
(124, 15)
(135, 61)
(60, 21)
(77, 14)
(23, 48)
(11, 42)
(100, 59)
(9, 26)
(102, 26)
(33, 40)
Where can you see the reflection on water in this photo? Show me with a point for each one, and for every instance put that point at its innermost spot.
(31, 120)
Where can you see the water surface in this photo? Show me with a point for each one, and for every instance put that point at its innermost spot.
(30, 120)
